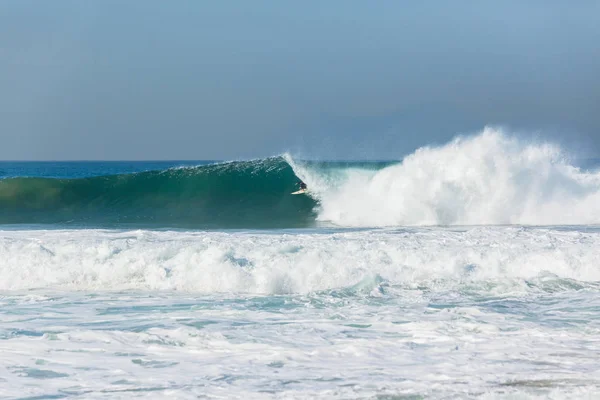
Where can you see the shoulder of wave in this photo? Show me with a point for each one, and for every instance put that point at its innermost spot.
(235, 163)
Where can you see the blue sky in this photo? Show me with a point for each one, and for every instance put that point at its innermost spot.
(338, 79)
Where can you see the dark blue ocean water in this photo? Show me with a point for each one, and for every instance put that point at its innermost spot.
(84, 169)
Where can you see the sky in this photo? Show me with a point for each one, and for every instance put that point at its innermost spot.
(190, 79)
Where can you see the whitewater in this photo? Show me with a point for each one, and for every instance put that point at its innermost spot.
(487, 179)
(466, 270)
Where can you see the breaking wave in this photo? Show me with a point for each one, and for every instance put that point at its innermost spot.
(490, 260)
(490, 178)
(485, 179)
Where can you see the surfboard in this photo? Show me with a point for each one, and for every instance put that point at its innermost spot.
(300, 191)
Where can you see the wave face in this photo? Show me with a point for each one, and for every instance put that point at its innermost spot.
(486, 179)
(490, 178)
(238, 194)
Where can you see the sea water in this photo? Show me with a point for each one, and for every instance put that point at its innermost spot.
(469, 270)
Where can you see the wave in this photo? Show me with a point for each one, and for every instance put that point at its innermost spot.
(487, 260)
(235, 194)
(490, 178)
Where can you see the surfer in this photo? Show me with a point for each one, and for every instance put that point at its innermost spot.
(303, 188)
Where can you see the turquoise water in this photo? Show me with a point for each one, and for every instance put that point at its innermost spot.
(174, 194)
(252, 194)
(465, 271)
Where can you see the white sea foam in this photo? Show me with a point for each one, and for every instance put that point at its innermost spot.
(490, 178)
(209, 262)
(474, 313)
(131, 345)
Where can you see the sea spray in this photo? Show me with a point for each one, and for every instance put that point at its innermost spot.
(490, 178)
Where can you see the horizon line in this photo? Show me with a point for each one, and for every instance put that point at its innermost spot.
(191, 160)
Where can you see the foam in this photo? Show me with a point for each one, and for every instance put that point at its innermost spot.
(490, 178)
(155, 346)
(251, 262)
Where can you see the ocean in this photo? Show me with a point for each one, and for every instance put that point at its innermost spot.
(469, 270)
